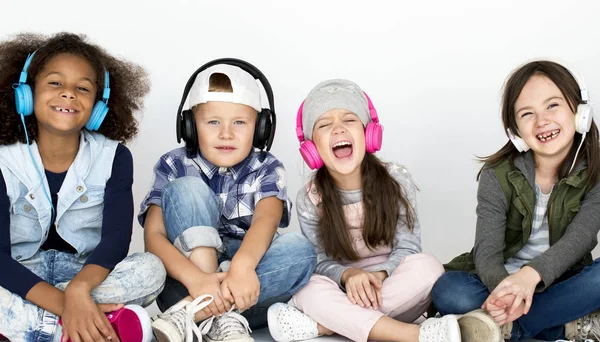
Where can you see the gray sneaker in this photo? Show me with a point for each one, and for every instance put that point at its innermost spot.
(586, 328)
(177, 324)
(230, 327)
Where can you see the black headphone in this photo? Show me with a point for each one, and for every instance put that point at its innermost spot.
(266, 121)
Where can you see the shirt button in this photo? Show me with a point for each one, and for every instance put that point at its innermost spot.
(31, 196)
(79, 188)
(222, 196)
(19, 257)
(83, 199)
(27, 208)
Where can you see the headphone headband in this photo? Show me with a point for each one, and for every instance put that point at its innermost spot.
(247, 67)
(300, 130)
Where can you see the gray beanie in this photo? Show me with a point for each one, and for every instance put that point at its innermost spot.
(332, 94)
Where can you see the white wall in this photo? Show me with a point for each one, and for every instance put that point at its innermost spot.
(434, 70)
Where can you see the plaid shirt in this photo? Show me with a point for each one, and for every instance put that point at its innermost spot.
(239, 188)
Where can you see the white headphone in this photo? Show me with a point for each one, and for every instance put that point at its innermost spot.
(583, 117)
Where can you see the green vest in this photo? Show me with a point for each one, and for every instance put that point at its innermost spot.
(563, 205)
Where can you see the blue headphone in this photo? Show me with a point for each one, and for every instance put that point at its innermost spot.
(24, 98)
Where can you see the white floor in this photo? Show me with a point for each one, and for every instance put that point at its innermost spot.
(262, 335)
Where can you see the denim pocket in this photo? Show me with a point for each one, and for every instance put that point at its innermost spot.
(87, 210)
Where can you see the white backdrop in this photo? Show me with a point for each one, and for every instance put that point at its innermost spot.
(434, 70)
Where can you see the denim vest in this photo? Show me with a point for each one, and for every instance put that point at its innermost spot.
(80, 198)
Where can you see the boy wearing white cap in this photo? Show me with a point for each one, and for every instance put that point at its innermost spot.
(214, 207)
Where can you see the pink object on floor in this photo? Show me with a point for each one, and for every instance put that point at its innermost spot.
(131, 323)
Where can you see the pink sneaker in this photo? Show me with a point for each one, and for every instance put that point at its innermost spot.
(131, 323)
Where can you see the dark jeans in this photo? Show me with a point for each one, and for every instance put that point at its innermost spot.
(567, 299)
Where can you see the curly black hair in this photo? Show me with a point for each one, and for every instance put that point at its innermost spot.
(129, 83)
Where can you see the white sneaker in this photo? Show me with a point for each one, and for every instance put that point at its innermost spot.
(230, 327)
(177, 324)
(444, 329)
(286, 323)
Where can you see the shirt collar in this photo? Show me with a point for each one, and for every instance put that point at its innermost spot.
(209, 169)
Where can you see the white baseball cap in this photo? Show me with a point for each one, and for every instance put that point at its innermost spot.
(246, 89)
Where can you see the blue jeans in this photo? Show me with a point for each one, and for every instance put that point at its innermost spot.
(191, 214)
(138, 279)
(572, 296)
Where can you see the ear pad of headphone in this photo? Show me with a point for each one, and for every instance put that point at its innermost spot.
(262, 129)
(583, 118)
(311, 156)
(98, 115)
(373, 137)
(188, 130)
(24, 99)
(519, 143)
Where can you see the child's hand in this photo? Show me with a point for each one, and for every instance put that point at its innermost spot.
(209, 283)
(522, 285)
(499, 309)
(84, 320)
(377, 286)
(359, 289)
(241, 286)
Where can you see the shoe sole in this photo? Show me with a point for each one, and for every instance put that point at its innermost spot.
(472, 332)
(243, 339)
(159, 327)
(455, 332)
(272, 322)
(138, 316)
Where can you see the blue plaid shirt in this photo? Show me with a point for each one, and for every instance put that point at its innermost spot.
(239, 188)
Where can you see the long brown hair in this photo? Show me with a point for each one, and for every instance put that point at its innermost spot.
(382, 199)
(566, 83)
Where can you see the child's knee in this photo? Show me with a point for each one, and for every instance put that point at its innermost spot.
(297, 247)
(189, 194)
(200, 236)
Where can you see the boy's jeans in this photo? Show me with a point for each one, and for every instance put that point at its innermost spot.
(191, 212)
(562, 302)
(138, 279)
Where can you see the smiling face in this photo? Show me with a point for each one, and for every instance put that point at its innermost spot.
(339, 136)
(544, 118)
(225, 131)
(64, 95)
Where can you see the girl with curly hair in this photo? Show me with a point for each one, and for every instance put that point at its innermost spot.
(66, 202)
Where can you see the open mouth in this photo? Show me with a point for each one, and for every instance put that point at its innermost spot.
(547, 136)
(64, 110)
(342, 149)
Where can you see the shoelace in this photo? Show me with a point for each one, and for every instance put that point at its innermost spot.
(183, 314)
(589, 326)
(207, 324)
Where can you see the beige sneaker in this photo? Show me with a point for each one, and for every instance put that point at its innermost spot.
(586, 328)
(478, 326)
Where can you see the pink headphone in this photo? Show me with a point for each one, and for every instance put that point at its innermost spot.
(308, 150)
